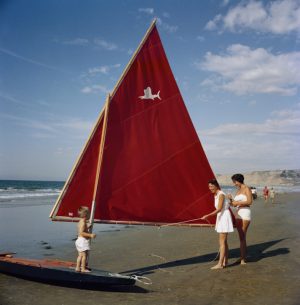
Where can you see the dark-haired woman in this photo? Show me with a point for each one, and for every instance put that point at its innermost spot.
(241, 203)
(223, 222)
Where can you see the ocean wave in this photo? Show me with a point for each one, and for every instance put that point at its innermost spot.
(8, 196)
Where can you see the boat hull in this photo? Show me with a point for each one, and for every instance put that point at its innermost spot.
(61, 273)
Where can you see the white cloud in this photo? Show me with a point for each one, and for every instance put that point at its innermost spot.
(243, 70)
(51, 128)
(94, 89)
(29, 60)
(278, 17)
(77, 42)
(148, 10)
(225, 2)
(103, 69)
(167, 27)
(272, 144)
(103, 44)
(12, 99)
(200, 38)
(212, 24)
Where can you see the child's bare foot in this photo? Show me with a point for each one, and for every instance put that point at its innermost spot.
(216, 267)
(85, 270)
(77, 270)
(243, 262)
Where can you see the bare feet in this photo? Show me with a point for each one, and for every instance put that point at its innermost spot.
(77, 270)
(216, 267)
(85, 270)
(241, 261)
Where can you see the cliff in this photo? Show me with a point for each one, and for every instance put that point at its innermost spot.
(269, 178)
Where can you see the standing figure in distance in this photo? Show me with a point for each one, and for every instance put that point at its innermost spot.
(223, 222)
(83, 241)
(272, 194)
(266, 193)
(241, 203)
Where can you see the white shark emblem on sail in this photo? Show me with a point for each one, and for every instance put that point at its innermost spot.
(148, 95)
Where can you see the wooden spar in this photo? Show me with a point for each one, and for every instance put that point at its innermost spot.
(133, 57)
(138, 223)
(56, 206)
(99, 162)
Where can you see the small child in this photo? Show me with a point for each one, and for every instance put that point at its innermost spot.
(83, 241)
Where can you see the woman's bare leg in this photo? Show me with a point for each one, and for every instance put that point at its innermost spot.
(242, 227)
(222, 242)
(226, 254)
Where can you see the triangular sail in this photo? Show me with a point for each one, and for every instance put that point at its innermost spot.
(79, 188)
(154, 169)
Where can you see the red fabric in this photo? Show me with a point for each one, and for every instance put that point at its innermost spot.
(154, 168)
(81, 185)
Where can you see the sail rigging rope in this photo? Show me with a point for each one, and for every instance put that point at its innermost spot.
(142, 279)
(186, 221)
(176, 223)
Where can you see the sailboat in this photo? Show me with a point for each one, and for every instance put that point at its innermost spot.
(143, 163)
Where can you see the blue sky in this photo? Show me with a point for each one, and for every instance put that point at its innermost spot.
(237, 65)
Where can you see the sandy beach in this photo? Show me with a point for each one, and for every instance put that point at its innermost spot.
(178, 261)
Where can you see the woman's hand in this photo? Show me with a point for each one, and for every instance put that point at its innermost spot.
(234, 203)
(229, 197)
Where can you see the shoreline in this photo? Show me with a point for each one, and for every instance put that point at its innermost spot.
(178, 261)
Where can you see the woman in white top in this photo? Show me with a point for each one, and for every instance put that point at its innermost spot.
(241, 203)
(223, 221)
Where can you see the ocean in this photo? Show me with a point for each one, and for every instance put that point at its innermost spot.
(14, 191)
(25, 226)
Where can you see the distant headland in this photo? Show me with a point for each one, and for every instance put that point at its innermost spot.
(269, 178)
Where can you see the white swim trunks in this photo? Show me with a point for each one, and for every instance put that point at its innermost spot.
(243, 213)
(82, 244)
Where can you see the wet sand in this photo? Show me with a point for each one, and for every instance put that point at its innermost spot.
(178, 261)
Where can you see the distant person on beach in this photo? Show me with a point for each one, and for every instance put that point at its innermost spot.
(266, 193)
(83, 241)
(272, 194)
(223, 222)
(241, 204)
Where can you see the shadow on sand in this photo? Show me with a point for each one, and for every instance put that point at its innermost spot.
(255, 254)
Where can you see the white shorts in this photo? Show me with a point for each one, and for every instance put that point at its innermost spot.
(82, 244)
(243, 213)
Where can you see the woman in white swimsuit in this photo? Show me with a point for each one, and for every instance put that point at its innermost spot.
(223, 222)
(241, 203)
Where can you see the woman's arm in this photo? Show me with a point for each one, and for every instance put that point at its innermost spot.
(219, 209)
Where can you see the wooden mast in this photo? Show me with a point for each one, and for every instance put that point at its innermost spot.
(99, 162)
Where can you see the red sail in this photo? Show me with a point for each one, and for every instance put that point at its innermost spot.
(153, 167)
(79, 188)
